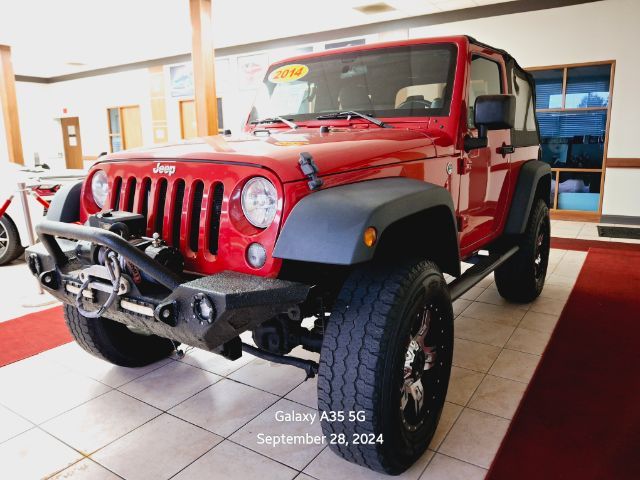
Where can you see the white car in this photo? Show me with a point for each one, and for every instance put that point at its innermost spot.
(14, 234)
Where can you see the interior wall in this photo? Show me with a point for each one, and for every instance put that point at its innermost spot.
(89, 98)
(582, 33)
(41, 132)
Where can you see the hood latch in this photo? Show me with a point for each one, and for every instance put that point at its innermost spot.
(310, 169)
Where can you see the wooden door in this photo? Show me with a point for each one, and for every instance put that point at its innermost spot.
(131, 126)
(188, 126)
(72, 143)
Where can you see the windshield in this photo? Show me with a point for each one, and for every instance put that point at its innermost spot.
(389, 82)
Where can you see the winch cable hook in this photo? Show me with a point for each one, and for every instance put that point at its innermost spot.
(113, 267)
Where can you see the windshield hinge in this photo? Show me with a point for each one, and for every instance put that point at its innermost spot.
(310, 169)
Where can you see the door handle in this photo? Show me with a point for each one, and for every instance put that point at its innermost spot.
(505, 149)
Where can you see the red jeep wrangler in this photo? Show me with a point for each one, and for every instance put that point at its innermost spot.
(363, 175)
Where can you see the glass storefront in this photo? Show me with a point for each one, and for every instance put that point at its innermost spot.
(572, 105)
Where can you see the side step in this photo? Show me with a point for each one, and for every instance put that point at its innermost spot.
(476, 273)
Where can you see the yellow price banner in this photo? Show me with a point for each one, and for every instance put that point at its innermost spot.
(288, 73)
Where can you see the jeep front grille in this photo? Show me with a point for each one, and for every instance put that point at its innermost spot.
(186, 215)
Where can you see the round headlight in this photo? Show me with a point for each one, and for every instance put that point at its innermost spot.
(100, 188)
(259, 202)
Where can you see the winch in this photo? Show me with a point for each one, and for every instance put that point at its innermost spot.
(106, 268)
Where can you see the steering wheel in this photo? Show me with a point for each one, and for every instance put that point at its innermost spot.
(419, 103)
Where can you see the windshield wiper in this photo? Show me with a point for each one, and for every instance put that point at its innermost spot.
(350, 114)
(276, 119)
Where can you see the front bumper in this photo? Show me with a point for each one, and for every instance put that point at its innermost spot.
(167, 307)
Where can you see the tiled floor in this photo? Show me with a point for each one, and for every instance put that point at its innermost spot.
(67, 414)
(586, 231)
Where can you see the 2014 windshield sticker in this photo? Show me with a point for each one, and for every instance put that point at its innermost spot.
(288, 73)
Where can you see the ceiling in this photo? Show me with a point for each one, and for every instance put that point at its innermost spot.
(59, 37)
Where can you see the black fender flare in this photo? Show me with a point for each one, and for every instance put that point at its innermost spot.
(65, 206)
(328, 226)
(531, 174)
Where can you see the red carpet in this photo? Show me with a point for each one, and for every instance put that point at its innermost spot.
(584, 245)
(34, 333)
(580, 417)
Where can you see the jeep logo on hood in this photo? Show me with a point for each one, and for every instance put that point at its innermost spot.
(164, 169)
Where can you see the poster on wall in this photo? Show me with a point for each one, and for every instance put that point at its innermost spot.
(181, 78)
(345, 43)
(251, 70)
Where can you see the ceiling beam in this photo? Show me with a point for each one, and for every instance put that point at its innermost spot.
(202, 57)
(9, 103)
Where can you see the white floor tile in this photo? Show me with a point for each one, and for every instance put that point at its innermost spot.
(39, 399)
(482, 331)
(100, 421)
(514, 365)
(35, 454)
(213, 362)
(448, 417)
(475, 437)
(498, 396)
(11, 424)
(294, 455)
(272, 377)
(157, 450)
(75, 358)
(230, 461)
(447, 468)
(473, 355)
(306, 393)
(224, 407)
(508, 314)
(328, 466)
(462, 384)
(169, 385)
(85, 470)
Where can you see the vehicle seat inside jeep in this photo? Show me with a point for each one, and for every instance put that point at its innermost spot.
(354, 96)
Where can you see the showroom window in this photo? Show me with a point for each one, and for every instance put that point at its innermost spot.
(573, 109)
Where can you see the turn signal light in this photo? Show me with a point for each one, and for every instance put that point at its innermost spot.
(370, 236)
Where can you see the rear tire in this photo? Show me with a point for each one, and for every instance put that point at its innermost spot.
(521, 278)
(114, 342)
(387, 352)
(10, 246)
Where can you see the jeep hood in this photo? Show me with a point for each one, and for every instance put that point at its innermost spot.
(340, 150)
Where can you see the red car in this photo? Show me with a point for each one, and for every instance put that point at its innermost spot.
(362, 176)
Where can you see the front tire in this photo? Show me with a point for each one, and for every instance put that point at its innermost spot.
(521, 278)
(387, 352)
(10, 246)
(114, 342)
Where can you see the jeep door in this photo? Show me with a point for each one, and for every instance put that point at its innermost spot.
(483, 171)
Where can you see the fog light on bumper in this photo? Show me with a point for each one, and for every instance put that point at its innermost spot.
(256, 255)
(203, 308)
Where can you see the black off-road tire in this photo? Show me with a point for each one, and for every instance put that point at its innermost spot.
(363, 363)
(114, 342)
(11, 248)
(521, 278)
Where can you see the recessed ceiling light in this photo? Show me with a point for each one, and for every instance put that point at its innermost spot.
(76, 64)
(375, 8)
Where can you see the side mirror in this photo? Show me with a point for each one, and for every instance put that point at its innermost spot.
(491, 112)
